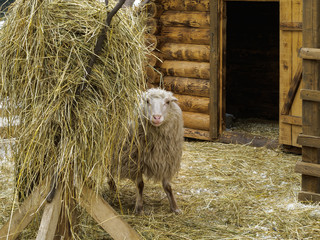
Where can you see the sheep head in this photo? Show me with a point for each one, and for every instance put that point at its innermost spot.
(157, 104)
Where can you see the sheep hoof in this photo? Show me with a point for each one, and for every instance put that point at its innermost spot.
(138, 211)
(177, 211)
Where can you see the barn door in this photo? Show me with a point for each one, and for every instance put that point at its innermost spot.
(290, 71)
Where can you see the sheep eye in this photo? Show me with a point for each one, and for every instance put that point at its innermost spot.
(148, 101)
(167, 102)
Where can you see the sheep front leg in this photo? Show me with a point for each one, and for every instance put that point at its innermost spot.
(172, 201)
(139, 201)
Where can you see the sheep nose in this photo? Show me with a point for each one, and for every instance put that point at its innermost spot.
(157, 117)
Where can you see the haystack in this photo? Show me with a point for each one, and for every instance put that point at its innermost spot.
(70, 124)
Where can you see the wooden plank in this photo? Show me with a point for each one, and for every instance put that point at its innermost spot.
(251, 0)
(187, 86)
(285, 68)
(294, 84)
(105, 216)
(293, 120)
(215, 35)
(308, 196)
(185, 19)
(25, 213)
(310, 95)
(309, 169)
(197, 134)
(196, 104)
(310, 53)
(309, 141)
(291, 26)
(50, 218)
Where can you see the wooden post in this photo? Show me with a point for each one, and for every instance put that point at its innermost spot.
(214, 68)
(310, 109)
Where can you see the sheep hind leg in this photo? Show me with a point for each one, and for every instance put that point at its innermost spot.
(172, 200)
(139, 201)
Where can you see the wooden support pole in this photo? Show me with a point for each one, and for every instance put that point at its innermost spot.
(50, 218)
(25, 213)
(105, 216)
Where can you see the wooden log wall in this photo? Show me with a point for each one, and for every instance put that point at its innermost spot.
(183, 51)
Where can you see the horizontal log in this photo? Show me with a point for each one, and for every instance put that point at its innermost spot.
(199, 121)
(248, 139)
(197, 134)
(308, 141)
(152, 26)
(193, 104)
(186, 52)
(187, 86)
(310, 53)
(186, 5)
(310, 169)
(310, 95)
(151, 41)
(293, 120)
(185, 35)
(185, 19)
(309, 196)
(186, 69)
(154, 10)
(152, 75)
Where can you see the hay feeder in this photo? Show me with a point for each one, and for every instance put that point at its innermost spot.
(51, 193)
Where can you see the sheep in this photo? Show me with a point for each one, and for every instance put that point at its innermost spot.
(156, 150)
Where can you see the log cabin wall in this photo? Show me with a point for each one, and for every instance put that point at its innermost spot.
(183, 45)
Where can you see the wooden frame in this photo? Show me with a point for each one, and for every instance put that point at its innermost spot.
(310, 139)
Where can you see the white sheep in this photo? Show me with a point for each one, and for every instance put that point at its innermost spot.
(156, 150)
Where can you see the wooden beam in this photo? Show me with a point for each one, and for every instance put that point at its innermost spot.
(294, 85)
(310, 95)
(310, 169)
(308, 196)
(50, 218)
(25, 213)
(199, 121)
(192, 19)
(247, 139)
(309, 141)
(185, 35)
(196, 104)
(310, 53)
(293, 120)
(105, 216)
(186, 5)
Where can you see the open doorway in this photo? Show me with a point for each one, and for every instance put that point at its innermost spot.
(252, 63)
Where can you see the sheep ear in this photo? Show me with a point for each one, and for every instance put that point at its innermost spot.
(173, 99)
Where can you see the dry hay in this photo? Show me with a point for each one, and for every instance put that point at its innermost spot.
(255, 126)
(225, 191)
(70, 124)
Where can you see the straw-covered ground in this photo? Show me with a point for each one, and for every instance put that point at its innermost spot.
(225, 192)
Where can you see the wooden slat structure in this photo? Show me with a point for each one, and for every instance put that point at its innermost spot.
(310, 94)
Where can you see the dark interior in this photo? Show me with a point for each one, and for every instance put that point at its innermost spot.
(252, 60)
